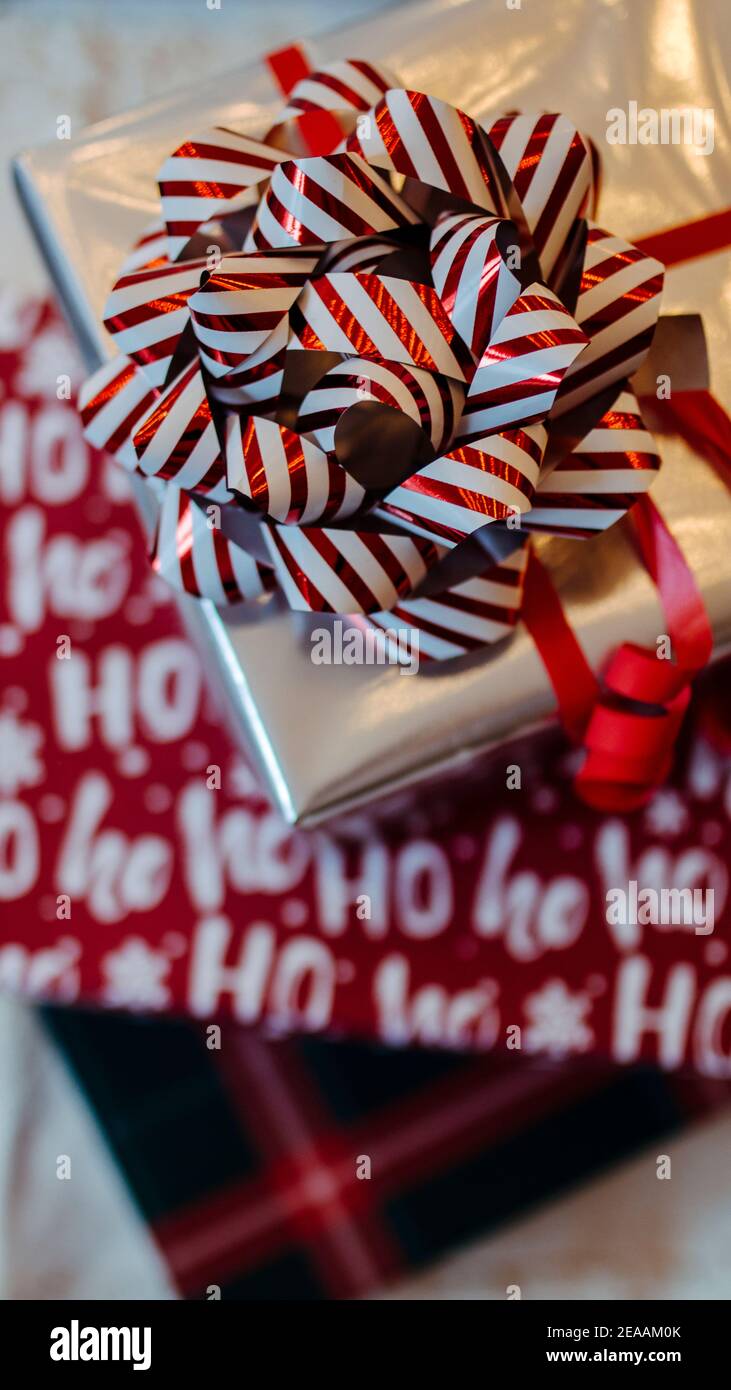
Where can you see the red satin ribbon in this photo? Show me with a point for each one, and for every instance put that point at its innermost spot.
(629, 727)
(690, 240)
(577, 688)
(319, 131)
(288, 66)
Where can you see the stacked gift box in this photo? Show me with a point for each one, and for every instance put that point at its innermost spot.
(161, 857)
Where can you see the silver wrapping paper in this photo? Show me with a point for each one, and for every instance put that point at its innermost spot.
(329, 738)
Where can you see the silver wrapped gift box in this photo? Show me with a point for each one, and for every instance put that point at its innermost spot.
(329, 738)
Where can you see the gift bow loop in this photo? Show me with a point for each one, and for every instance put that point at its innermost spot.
(377, 249)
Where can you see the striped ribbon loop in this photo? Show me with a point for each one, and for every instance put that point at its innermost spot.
(177, 440)
(212, 173)
(617, 308)
(523, 366)
(322, 570)
(111, 403)
(430, 141)
(601, 478)
(348, 83)
(285, 476)
(469, 487)
(379, 316)
(322, 106)
(147, 313)
(549, 165)
(193, 555)
(367, 253)
(461, 619)
(242, 303)
(471, 275)
(150, 249)
(257, 384)
(325, 198)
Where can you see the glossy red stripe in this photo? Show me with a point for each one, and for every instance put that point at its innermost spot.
(336, 489)
(145, 313)
(393, 142)
(246, 376)
(502, 574)
(107, 394)
(349, 94)
(559, 193)
(198, 188)
(586, 501)
(126, 426)
(327, 202)
(618, 308)
(624, 352)
(620, 459)
(297, 472)
(390, 562)
(370, 73)
(437, 528)
(348, 576)
(451, 284)
(184, 546)
(307, 588)
(254, 464)
(222, 154)
(434, 629)
(532, 154)
(615, 261)
(441, 149)
(512, 391)
(238, 323)
(459, 497)
(479, 608)
(150, 276)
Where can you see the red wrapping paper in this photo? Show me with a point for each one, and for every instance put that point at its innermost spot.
(130, 878)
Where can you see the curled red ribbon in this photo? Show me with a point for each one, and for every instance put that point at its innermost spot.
(628, 725)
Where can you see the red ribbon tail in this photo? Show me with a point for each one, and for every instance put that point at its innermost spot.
(288, 66)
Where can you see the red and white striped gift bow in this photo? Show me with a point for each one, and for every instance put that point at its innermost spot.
(378, 247)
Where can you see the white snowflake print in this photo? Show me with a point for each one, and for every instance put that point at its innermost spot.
(666, 814)
(20, 762)
(51, 354)
(134, 976)
(557, 1020)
